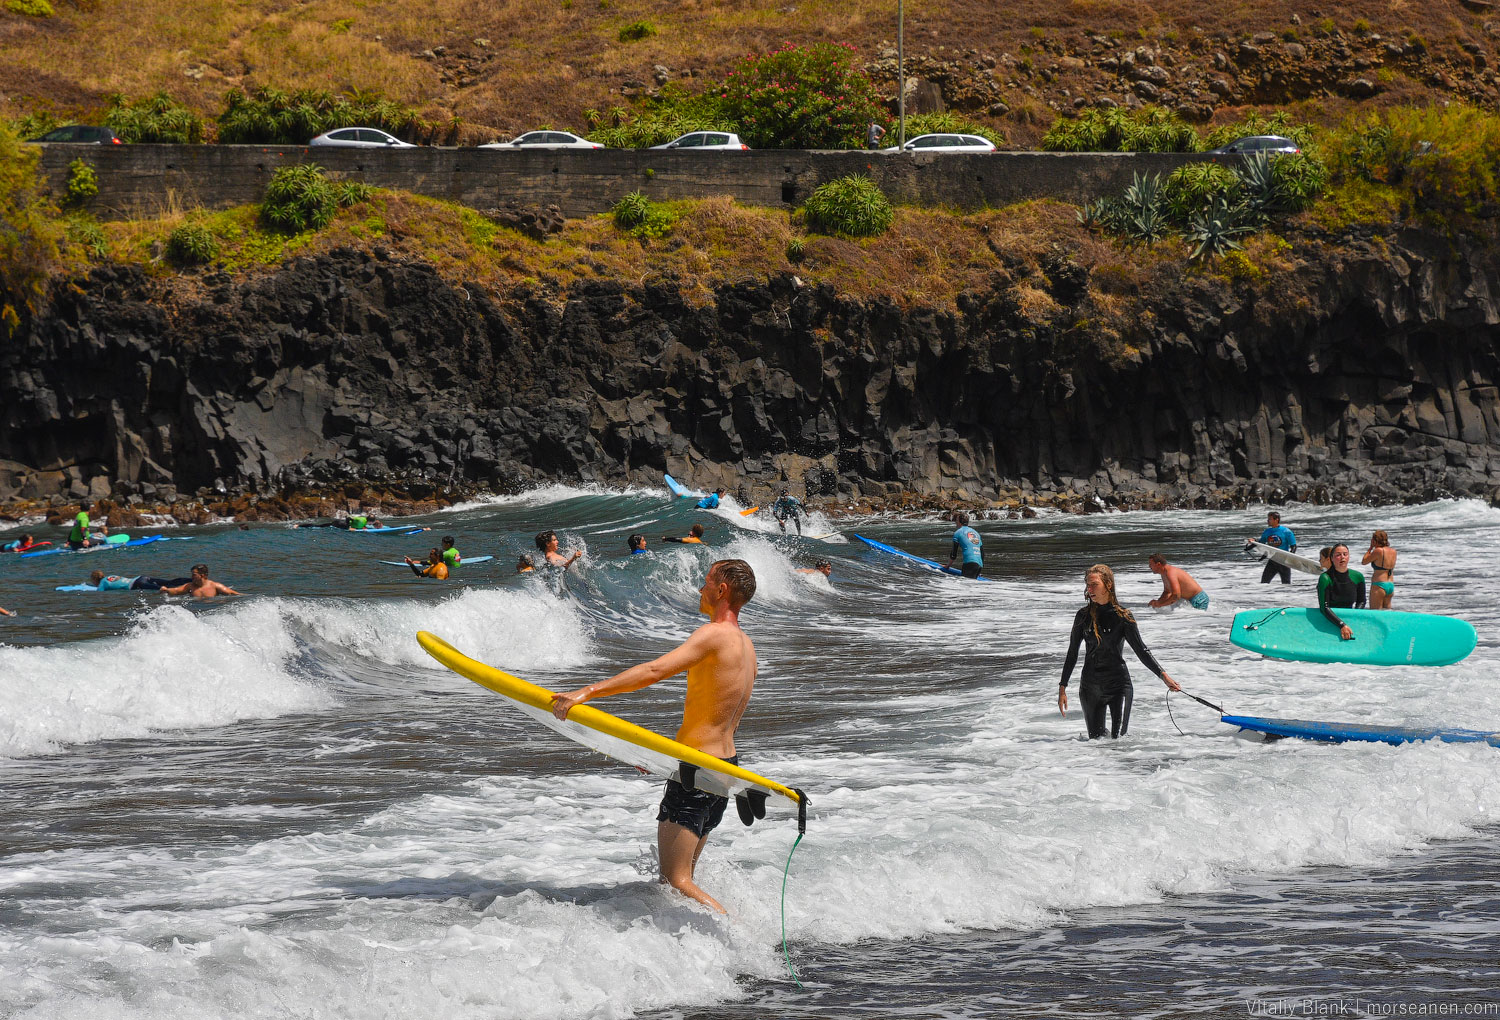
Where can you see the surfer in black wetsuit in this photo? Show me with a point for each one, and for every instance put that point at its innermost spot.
(1103, 626)
(1340, 588)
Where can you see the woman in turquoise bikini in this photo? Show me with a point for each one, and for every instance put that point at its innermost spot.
(1382, 560)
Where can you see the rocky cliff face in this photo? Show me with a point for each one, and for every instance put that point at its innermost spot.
(1371, 372)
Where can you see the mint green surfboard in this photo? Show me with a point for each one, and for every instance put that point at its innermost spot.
(1382, 637)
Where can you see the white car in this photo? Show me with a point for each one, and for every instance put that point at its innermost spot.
(545, 140)
(945, 143)
(360, 138)
(705, 140)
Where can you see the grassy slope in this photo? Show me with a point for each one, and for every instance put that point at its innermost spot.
(547, 61)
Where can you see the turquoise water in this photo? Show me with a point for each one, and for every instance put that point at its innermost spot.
(279, 806)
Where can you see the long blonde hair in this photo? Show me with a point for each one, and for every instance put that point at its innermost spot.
(1107, 577)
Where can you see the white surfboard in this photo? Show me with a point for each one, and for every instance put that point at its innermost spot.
(1306, 564)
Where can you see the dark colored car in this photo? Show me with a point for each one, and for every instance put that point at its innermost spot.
(82, 134)
(1269, 144)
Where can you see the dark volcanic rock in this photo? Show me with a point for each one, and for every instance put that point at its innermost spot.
(1371, 373)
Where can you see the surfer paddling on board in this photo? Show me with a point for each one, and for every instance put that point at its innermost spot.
(1103, 627)
(1277, 536)
(1340, 588)
(720, 662)
(1177, 585)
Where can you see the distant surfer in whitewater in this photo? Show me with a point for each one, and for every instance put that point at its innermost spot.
(1103, 627)
(719, 659)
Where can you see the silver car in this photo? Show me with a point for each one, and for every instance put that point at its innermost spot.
(545, 140)
(710, 140)
(945, 143)
(360, 138)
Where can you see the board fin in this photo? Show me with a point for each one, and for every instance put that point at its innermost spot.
(687, 775)
(751, 805)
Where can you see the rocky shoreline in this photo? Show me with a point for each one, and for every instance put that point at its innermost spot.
(1367, 370)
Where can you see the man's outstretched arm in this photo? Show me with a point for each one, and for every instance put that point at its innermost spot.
(686, 655)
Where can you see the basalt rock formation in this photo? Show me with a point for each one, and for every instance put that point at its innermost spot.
(1369, 372)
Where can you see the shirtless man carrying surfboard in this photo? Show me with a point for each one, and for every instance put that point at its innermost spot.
(720, 662)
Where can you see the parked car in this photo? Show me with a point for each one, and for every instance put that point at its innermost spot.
(545, 140)
(945, 143)
(1257, 143)
(705, 140)
(360, 138)
(81, 134)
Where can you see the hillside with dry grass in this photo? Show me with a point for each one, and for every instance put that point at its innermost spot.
(481, 70)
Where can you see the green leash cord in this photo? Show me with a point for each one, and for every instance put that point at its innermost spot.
(784, 951)
(801, 831)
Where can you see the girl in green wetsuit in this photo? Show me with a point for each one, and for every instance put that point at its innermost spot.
(1340, 588)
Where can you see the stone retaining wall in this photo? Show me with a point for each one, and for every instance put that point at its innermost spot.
(144, 179)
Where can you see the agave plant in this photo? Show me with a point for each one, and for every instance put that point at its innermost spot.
(1143, 214)
(1260, 192)
(1214, 230)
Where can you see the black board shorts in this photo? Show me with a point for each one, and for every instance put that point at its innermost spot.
(971, 570)
(698, 812)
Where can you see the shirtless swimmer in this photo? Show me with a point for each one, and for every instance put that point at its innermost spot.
(720, 662)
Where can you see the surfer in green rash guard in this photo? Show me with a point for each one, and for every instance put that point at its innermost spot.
(1340, 588)
(719, 659)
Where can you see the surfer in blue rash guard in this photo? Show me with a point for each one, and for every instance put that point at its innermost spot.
(711, 501)
(1277, 536)
(1103, 626)
(719, 659)
(967, 541)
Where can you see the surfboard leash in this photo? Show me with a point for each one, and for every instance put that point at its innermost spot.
(801, 831)
(1257, 624)
(1206, 704)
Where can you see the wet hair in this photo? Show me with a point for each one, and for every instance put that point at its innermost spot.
(821, 564)
(1325, 553)
(1336, 547)
(740, 579)
(433, 556)
(542, 538)
(1107, 576)
(524, 563)
(96, 577)
(1380, 539)
(721, 490)
(635, 541)
(1157, 558)
(447, 541)
(200, 568)
(960, 518)
(696, 531)
(1272, 513)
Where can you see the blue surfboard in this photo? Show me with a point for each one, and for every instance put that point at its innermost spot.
(1339, 732)
(1382, 637)
(931, 564)
(385, 530)
(678, 489)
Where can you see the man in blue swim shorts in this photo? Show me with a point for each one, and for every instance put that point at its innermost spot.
(1177, 585)
(719, 659)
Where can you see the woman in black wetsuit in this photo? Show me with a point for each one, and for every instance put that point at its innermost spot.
(1103, 626)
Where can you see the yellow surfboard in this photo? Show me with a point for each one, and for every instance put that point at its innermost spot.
(621, 740)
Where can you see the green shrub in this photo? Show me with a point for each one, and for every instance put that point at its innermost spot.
(1301, 178)
(637, 30)
(1256, 123)
(270, 116)
(1213, 229)
(1190, 188)
(84, 231)
(30, 8)
(1444, 157)
(642, 217)
(948, 124)
(672, 113)
(800, 97)
(1149, 129)
(34, 125)
(158, 118)
(299, 198)
(796, 251)
(83, 183)
(192, 244)
(347, 193)
(30, 236)
(341, 26)
(850, 206)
